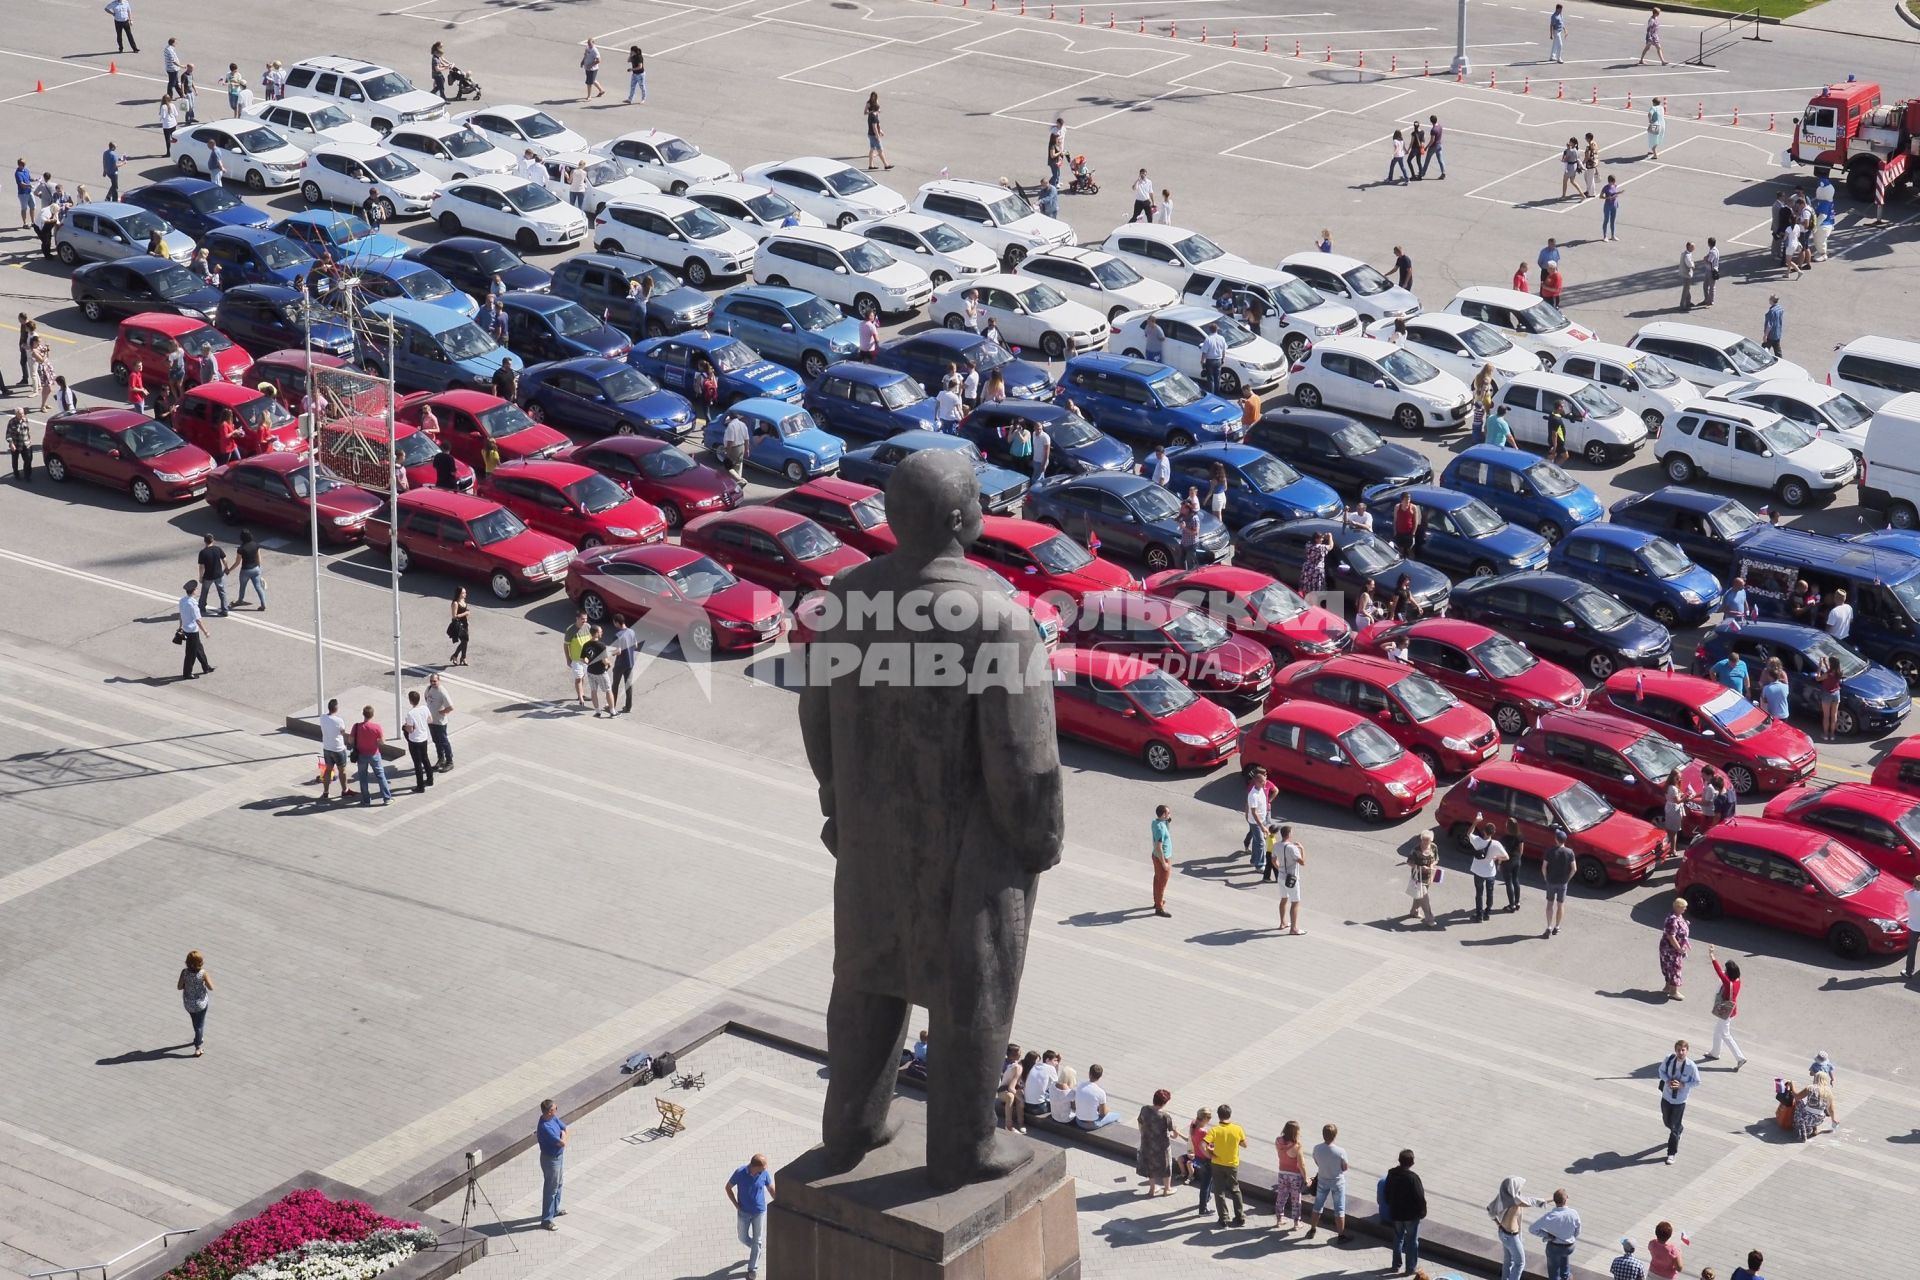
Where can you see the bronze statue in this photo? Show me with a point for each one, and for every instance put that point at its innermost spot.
(943, 804)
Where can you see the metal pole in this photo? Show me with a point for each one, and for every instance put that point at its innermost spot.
(313, 515)
(393, 518)
(1460, 64)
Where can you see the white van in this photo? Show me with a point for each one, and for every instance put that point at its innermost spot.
(1891, 483)
(1637, 379)
(843, 268)
(1875, 370)
(1599, 428)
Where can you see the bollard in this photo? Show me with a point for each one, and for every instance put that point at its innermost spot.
(1393, 63)
(1426, 67)
(1296, 48)
(1736, 117)
(1109, 19)
(1699, 111)
(1595, 100)
(1629, 105)
(1561, 91)
(1491, 82)
(1363, 59)
(1526, 85)
(1770, 122)
(1266, 44)
(1329, 53)
(1203, 33)
(1235, 43)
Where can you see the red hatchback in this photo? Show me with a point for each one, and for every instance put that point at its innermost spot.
(1133, 707)
(1447, 735)
(1180, 640)
(778, 549)
(655, 470)
(1041, 561)
(1264, 610)
(1624, 761)
(1482, 666)
(271, 489)
(675, 591)
(468, 419)
(573, 503)
(1798, 879)
(855, 513)
(1609, 844)
(1711, 721)
(356, 448)
(261, 423)
(1899, 769)
(344, 394)
(145, 340)
(1335, 754)
(470, 537)
(127, 451)
(1881, 825)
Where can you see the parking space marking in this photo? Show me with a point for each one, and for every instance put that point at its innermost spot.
(53, 88)
(78, 66)
(869, 86)
(505, 7)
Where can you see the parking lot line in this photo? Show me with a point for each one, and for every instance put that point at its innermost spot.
(81, 66)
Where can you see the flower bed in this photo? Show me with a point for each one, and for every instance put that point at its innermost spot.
(306, 1236)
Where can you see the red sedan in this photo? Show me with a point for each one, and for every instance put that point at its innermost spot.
(1335, 754)
(1881, 825)
(1258, 607)
(1796, 879)
(660, 473)
(1482, 666)
(1180, 640)
(1447, 735)
(1609, 844)
(675, 591)
(356, 448)
(1624, 761)
(127, 451)
(573, 503)
(778, 549)
(470, 537)
(855, 513)
(144, 342)
(1711, 721)
(468, 419)
(261, 423)
(271, 489)
(1899, 769)
(1135, 708)
(1041, 561)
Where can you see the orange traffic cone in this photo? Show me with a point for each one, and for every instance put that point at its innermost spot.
(39, 86)
(113, 68)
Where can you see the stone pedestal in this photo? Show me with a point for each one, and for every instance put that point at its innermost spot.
(881, 1221)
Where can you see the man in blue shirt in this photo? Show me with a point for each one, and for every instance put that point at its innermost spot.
(1731, 671)
(1733, 605)
(1162, 834)
(1549, 254)
(1752, 1270)
(1499, 431)
(1776, 697)
(751, 1190)
(23, 188)
(1775, 325)
(552, 1135)
(110, 170)
(1678, 1078)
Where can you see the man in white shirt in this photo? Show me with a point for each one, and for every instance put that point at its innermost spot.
(415, 725)
(1293, 865)
(946, 408)
(192, 633)
(1142, 198)
(1359, 517)
(1840, 617)
(969, 385)
(333, 749)
(1157, 468)
(439, 707)
(531, 169)
(1913, 925)
(1090, 1102)
(1040, 1081)
(733, 445)
(1259, 812)
(1213, 353)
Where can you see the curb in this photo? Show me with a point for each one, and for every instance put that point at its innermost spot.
(1906, 16)
(1702, 11)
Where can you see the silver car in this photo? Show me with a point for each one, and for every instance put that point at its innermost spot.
(106, 231)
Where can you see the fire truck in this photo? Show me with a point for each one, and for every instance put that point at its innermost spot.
(1873, 143)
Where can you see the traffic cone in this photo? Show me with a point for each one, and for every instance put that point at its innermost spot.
(1629, 105)
(1203, 33)
(113, 68)
(1595, 100)
(1173, 31)
(1426, 67)
(1266, 44)
(1560, 92)
(993, 6)
(1699, 111)
(39, 86)
(1109, 19)
(1492, 80)
(1393, 64)
(1023, 8)
(1296, 48)
(1770, 125)
(1143, 26)
(1363, 59)
(1083, 15)
(1460, 75)
(1235, 42)
(1329, 53)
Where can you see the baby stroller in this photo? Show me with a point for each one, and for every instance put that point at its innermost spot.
(461, 85)
(1082, 182)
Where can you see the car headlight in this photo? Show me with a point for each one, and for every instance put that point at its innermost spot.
(714, 501)
(171, 477)
(1398, 789)
(1456, 744)
(1886, 926)
(1776, 762)
(734, 625)
(349, 519)
(1325, 330)
(1319, 646)
(618, 532)
(194, 313)
(531, 571)
(1690, 595)
(1191, 739)
(1543, 704)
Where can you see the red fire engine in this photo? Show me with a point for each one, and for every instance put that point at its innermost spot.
(1873, 143)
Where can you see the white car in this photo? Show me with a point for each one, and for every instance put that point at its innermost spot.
(1634, 378)
(1168, 254)
(1828, 412)
(1742, 444)
(367, 91)
(509, 207)
(308, 122)
(1029, 313)
(1876, 369)
(1599, 428)
(1530, 321)
(1251, 360)
(676, 233)
(606, 180)
(1366, 375)
(831, 190)
(943, 252)
(995, 216)
(668, 161)
(843, 268)
(1459, 346)
(250, 152)
(518, 129)
(745, 207)
(449, 150)
(1339, 278)
(1097, 279)
(1290, 311)
(1708, 357)
(343, 172)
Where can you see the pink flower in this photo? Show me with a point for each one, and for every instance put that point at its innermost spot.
(297, 1218)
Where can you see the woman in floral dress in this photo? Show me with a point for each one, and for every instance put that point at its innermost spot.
(1675, 941)
(1154, 1161)
(1313, 568)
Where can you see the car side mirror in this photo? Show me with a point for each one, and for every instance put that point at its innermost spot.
(840, 270)
(1632, 384)
(675, 236)
(1381, 384)
(1809, 890)
(1472, 673)
(1030, 569)
(1129, 713)
(1567, 622)
(1768, 453)
(114, 454)
(786, 327)
(1338, 762)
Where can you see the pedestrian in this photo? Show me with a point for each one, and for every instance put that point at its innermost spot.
(590, 64)
(1421, 864)
(1710, 271)
(459, 627)
(1557, 430)
(1589, 165)
(1142, 199)
(1570, 169)
(1653, 39)
(366, 743)
(1558, 868)
(188, 98)
(1773, 325)
(49, 225)
(1042, 451)
(110, 162)
(1488, 854)
(122, 14)
(551, 1134)
(246, 557)
(577, 185)
(236, 91)
(1629, 1267)
(1330, 1182)
(1663, 1256)
(1162, 212)
(23, 188)
(1313, 566)
(1153, 1158)
(171, 62)
(706, 393)
(1550, 283)
(1656, 128)
(1293, 865)
(1676, 939)
(1056, 150)
(1751, 1271)
(20, 446)
(213, 571)
(1519, 281)
(948, 407)
(446, 469)
(1686, 277)
(1161, 835)
(1499, 431)
(1678, 1079)
(750, 1190)
(636, 74)
(1726, 1007)
(1416, 147)
(1610, 209)
(1776, 694)
(623, 649)
(875, 134)
(1827, 681)
(1560, 1228)
(1505, 1209)
(216, 167)
(333, 750)
(1399, 161)
(414, 726)
(1434, 154)
(1557, 34)
(169, 121)
(1510, 869)
(1326, 241)
(1225, 1139)
(439, 707)
(1840, 616)
(1404, 1206)
(599, 660)
(573, 643)
(1213, 354)
(1154, 338)
(195, 986)
(1258, 813)
(1290, 1179)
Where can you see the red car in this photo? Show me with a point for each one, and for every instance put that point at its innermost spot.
(144, 341)
(1258, 607)
(469, 418)
(778, 549)
(1046, 618)
(356, 448)
(1447, 735)
(1180, 640)
(271, 489)
(1899, 769)
(125, 450)
(470, 537)
(1882, 826)
(1041, 560)
(1624, 761)
(676, 591)
(261, 423)
(573, 503)
(1135, 708)
(1609, 844)
(1339, 755)
(855, 513)
(1711, 721)
(1482, 666)
(655, 470)
(344, 394)
(1798, 879)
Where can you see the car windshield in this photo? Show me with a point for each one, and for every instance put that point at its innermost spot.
(1731, 519)
(264, 412)
(1072, 431)
(1549, 481)
(327, 481)
(847, 181)
(1294, 294)
(1541, 317)
(988, 356)
(1783, 436)
(1422, 698)
(1652, 373)
(573, 320)
(1748, 358)
(815, 316)
(198, 342)
(1850, 663)
(624, 386)
(1655, 757)
(1268, 474)
(863, 256)
(1503, 659)
(1236, 334)
(1475, 519)
(1736, 717)
(1840, 871)
(1599, 611)
(1042, 297)
(1276, 603)
(328, 117)
(770, 206)
(1159, 694)
(1408, 367)
(1176, 390)
(898, 395)
(424, 286)
(212, 200)
(701, 579)
(1579, 808)
(496, 526)
(530, 197)
(1368, 555)
(388, 167)
(870, 512)
(698, 224)
(1061, 554)
(1196, 249)
(663, 464)
(141, 226)
(1595, 401)
(465, 143)
(942, 238)
(465, 342)
(254, 141)
(1370, 746)
(1151, 502)
(1365, 281)
(1844, 411)
(504, 420)
(1195, 632)
(539, 124)
(674, 150)
(149, 440)
(1009, 208)
(808, 541)
(494, 258)
(387, 84)
(795, 424)
(1664, 560)
(602, 172)
(174, 281)
(1355, 440)
(281, 252)
(1115, 274)
(416, 450)
(730, 356)
(595, 493)
(1484, 340)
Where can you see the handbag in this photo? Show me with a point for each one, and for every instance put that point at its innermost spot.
(453, 630)
(1722, 1005)
(179, 635)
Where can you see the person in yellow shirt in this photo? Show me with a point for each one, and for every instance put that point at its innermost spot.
(1249, 406)
(1226, 1139)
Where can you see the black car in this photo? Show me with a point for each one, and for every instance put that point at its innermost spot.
(108, 291)
(470, 263)
(603, 284)
(1078, 445)
(1342, 451)
(928, 356)
(1277, 548)
(1558, 617)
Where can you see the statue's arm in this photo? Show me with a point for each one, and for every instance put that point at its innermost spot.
(1020, 755)
(816, 732)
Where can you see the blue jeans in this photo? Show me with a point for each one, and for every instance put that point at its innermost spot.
(1513, 1256)
(578, 199)
(213, 584)
(1256, 844)
(1433, 155)
(1608, 214)
(377, 767)
(1483, 895)
(1400, 163)
(1210, 376)
(442, 744)
(636, 84)
(550, 1187)
(1559, 1260)
(1112, 1117)
(1406, 1241)
(259, 585)
(1203, 1175)
(753, 1234)
(199, 1020)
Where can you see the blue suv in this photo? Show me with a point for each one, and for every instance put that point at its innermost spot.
(1524, 488)
(264, 318)
(1458, 534)
(433, 349)
(929, 355)
(196, 206)
(1641, 568)
(253, 255)
(344, 235)
(1145, 401)
(789, 325)
(1000, 489)
(1259, 485)
(1130, 514)
(1078, 445)
(543, 327)
(1873, 699)
(739, 369)
(854, 399)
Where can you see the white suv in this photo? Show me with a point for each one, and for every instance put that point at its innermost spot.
(1599, 428)
(1708, 357)
(449, 150)
(1351, 281)
(1165, 253)
(843, 268)
(367, 91)
(1251, 360)
(1531, 321)
(996, 217)
(1743, 444)
(1459, 346)
(1828, 412)
(676, 233)
(343, 173)
(1365, 375)
(1637, 380)
(1097, 279)
(309, 122)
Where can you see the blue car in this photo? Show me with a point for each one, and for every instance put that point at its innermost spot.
(789, 325)
(344, 235)
(930, 355)
(264, 318)
(1458, 534)
(1641, 568)
(1141, 400)
(196, 206)
(251, 255)
(1078, 445)
(606, 397)
(738, 368)
(1131, 515)
(1526, 489)
(853, 399)
(1279, 548)
(470, 264)
(405, 278)
(433, 348)
(1710, 528)
(782, 438)
(1906, 541)
(1873, 698)
(1000, 490)
(543, 327)
(1259, 485)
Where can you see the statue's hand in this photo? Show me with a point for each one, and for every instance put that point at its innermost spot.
(830, 837)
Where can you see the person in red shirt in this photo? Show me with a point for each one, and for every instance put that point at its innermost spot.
(228, 436)
(1520, 279)
(1550, 283)
(1406, 522)
(137, 390)
(366, 739)
(1726, 1007)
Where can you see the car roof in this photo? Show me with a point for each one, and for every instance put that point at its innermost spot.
(111, 419)
(870, 375)
(1022, 533)
(1086, 255)
(907, 221)
(1042, 411)
(1558, 382)
(1682, 498)
(1449, 630)
(1385, 670)
(1186, 313)
(1223, 577)
(166, 322)
(1220, 450)
(1241, 271)
(775, 293)
(1591, 723)
(957, 339)
(142, 262)
(464, 506)
(391, 267)
(1514, 459)
(1424, 495)
(1524, 777)
(1119, 483)
(650, 136)
(661, 556)
(512, 110)
(318, 218)
(1161, 231)
(838, 489)
(1445, 321)
(1751, 414)
(246, 235)
(1673, 684)
(828, 237)
(967, 187)
(1773, 834)
(587, 366)
(920, 439)
(1338, 262)
(295, 358)
(352, 150)
(108, 208)
(1684, 332)
(548, 469)
(766, 519)
(542, 303)
(1614, 535)
(280, 462)
(1861, 795)
(667, 206)
(1612, 351)
(1548, 582)
(1119, 668)
(1800, 549)
(1875, 345)
(816, 165)
(768, 407)
(340, 62)
(297, 101)
(223, 391)
(1356, 345)
(437, 128)
(430, 316)
(1806, 391)
(1129, 365)
(1496, 295)
(502, 181)
(472, 401)
(1313, 715)
(179, 182)
(1792, 634)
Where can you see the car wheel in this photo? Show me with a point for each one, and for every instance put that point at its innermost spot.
(1293, 345)
(1702, 902)
(1908, 665)
(1053, 346)
(1482, 569)
(536, 411)
(678, 188)
(500, 584)
(866, 306)
(795, 472)
(954, 320)
(1460, 832)
(310, 191)
(1740, 778)
(1408, 418)
(385, 208)
(1132, 353)
(401, 560)
(228, 512)
(1847, 941)
(655, 329)
(142, 491)
(1113, 316)
(1593, 872)
(256, 181)
(939, 279)
(1793, 491)
(448, 223)
(1901, 515)
(1180, 439)
(1510, 720)
(1159, 757)
(92, 310)
(460, 177)
(610, 246)
(69, 255)
(186, 165)
(383, 127)
(813, 364)
(1679, 468)
(1370, 809)
(592, 541)
(1549, 530)
(56, 467)
(525, 241)
(1307, 396)
(1430, 760)
(776, 282)
(695, 273)
(698, 641)
(594, 606)
(1846, 722)
(1654, 420)
(1157, 558)
(1597, 454)
(119, 372)
(670, 512)
(1601, 665)
(1667, 616)
(1013, 257)
(844, 221)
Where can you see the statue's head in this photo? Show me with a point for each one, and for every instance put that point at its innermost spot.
(933, 502)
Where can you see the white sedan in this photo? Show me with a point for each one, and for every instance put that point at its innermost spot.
(250, 152)
(509, 207)
(1460, 346)
(343, 174)
(1251, 360)
(606, 180)
(1028, 313)
(754, 210)
(668, 161)
(943, 252)
(519, 129)
(449, 150)
(833, 191)
(1098, 279)
(309, 122)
